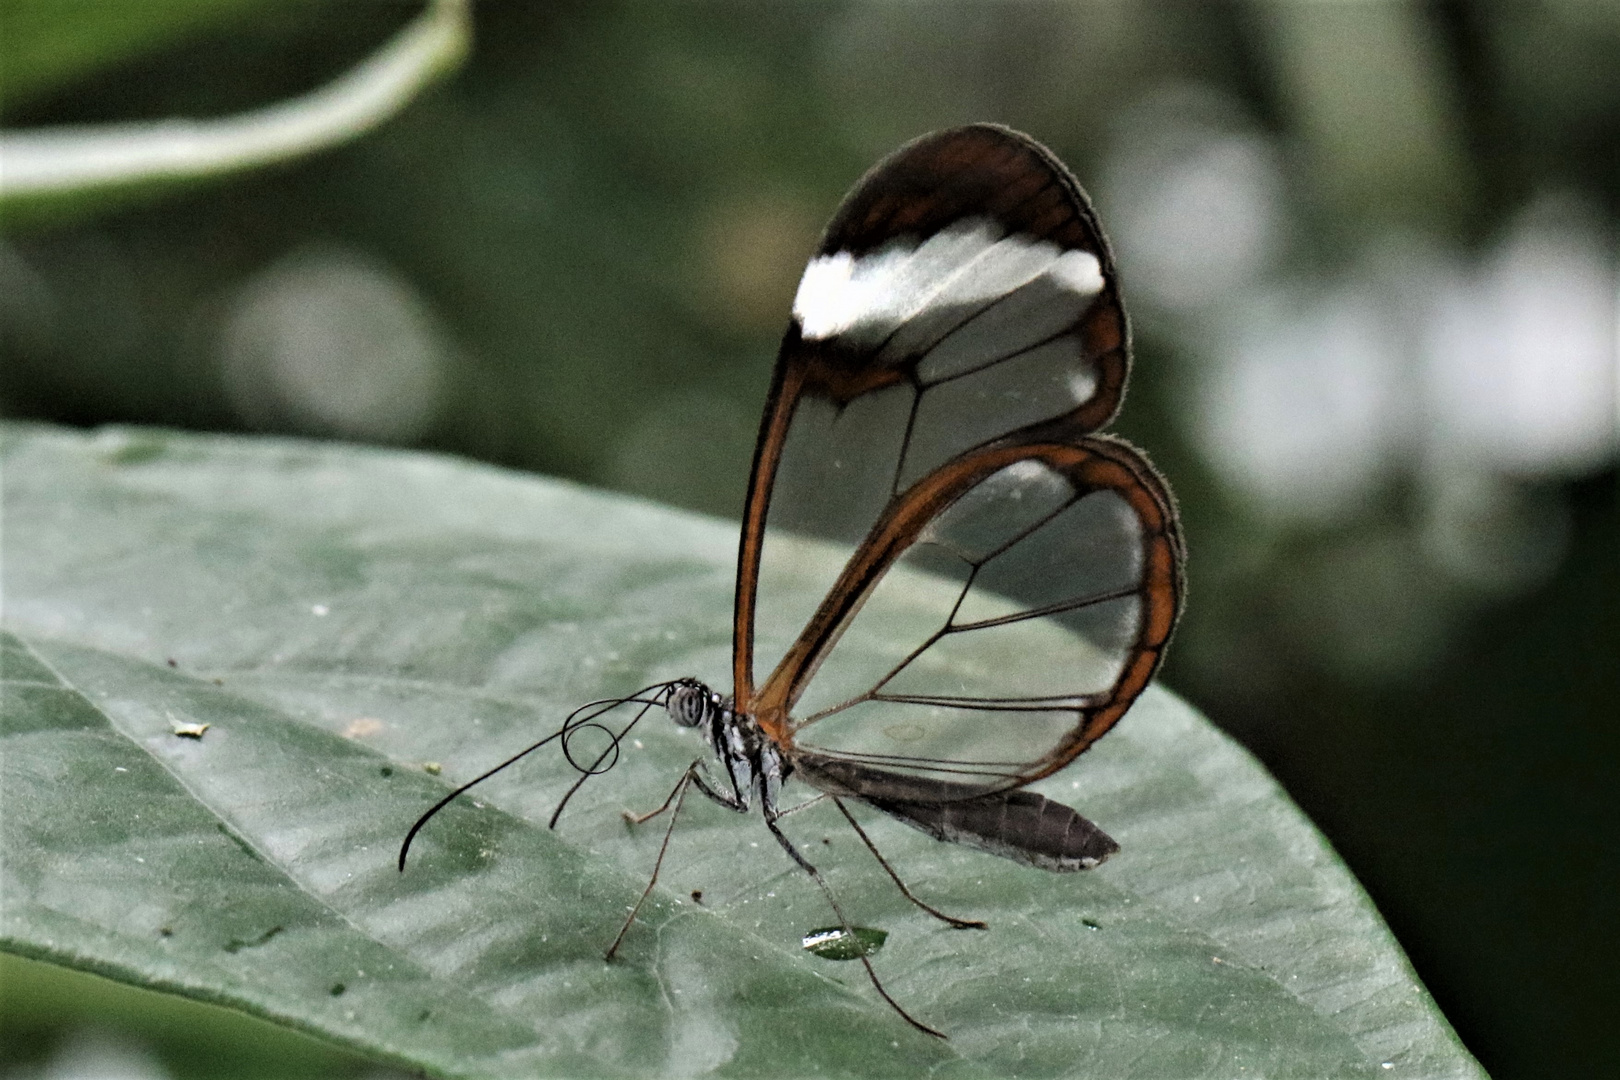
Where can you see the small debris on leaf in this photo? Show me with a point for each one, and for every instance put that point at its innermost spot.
(188, 731)
(836, 943)
(236, 945)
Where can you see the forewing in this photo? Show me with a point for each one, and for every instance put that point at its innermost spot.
(962, 294)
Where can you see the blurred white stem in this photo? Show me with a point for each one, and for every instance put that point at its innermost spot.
(66, 159)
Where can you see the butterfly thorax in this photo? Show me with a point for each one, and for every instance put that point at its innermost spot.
(750, 758)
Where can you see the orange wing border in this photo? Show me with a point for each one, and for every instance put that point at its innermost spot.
(1091, 463)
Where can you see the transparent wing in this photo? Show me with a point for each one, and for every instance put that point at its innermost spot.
(926, 468)
(935, 657)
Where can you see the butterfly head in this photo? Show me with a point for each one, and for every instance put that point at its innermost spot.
(691, 703)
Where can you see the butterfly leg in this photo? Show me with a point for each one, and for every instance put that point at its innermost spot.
(678, 791)
(694, 775)
(676, 797)
(960, 924)
(832, 901)
(807, 804)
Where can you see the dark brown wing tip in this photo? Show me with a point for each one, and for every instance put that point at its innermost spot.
(976, 170)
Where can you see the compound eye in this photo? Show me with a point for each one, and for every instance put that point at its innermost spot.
(687, 706)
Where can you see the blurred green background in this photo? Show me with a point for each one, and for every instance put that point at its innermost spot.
(1370, 251)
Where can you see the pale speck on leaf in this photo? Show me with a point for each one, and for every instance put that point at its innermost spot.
(361, 726)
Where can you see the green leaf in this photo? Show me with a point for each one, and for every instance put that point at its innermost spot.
(342, 618)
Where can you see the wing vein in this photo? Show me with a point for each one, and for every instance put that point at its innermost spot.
(1047, 609)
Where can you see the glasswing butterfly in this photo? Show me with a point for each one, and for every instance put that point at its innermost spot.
(930, 450)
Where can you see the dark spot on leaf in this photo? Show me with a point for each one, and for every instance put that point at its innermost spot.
(1091, 924)
(173, 662)
(386, 771)
(236, 945)
(827, 840)
(836, 943)
(421, 1017)
(219, 682)
(337, 989)
(164, 931)
(697, 896)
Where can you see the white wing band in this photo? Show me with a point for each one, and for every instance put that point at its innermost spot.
(967, 264)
